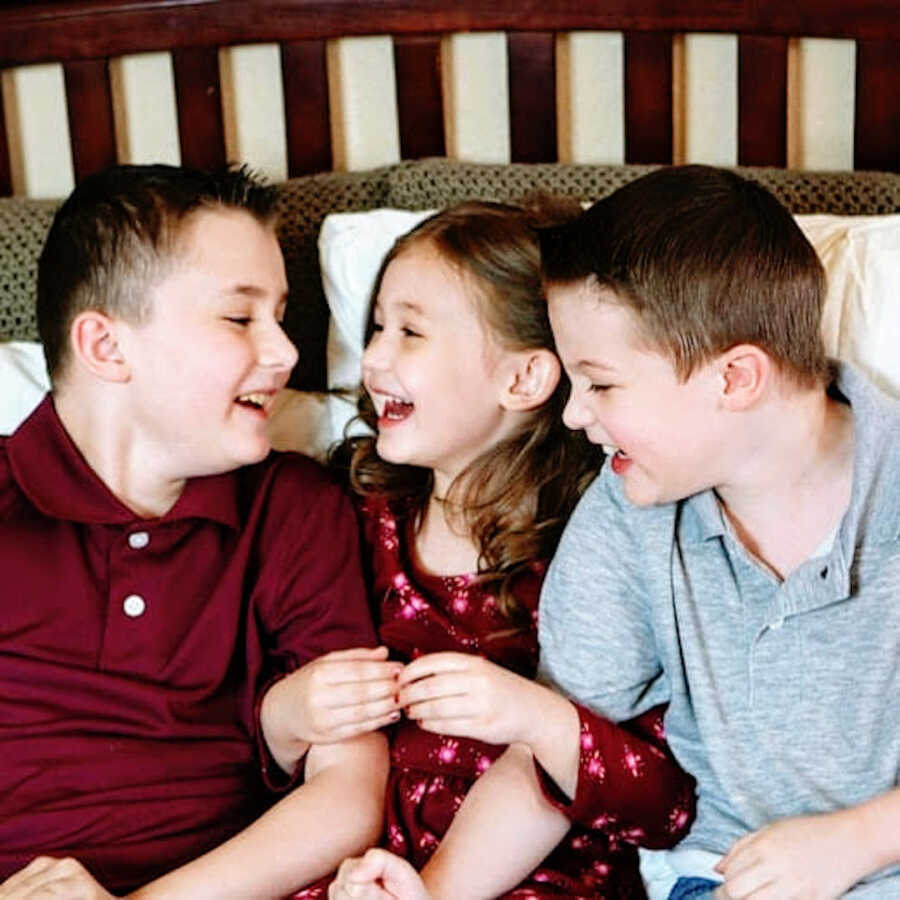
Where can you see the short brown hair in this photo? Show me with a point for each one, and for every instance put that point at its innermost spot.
(117, 233)
(706, 260)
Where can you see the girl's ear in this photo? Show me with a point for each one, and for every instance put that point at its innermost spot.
(532, 380)
(94, 343)
(744, 372)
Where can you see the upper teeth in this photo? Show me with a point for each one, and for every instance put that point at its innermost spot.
(255, 398)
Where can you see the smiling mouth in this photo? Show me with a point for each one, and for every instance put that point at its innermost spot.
(395, 409)
(257, 400)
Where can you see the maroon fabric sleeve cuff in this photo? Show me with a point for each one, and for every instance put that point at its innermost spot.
(583, 807)
(274, 777)
(628, 783)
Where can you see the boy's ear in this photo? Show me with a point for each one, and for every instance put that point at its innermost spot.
(531, 381)
(744, 372)
(94, 343)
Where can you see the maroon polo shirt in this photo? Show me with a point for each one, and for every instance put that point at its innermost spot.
(133, 652)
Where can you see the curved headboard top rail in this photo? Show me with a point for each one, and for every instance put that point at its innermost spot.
(78, 29)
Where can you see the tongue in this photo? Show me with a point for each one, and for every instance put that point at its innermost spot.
(397, 409)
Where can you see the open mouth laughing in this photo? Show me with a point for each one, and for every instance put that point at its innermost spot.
(256, 400)
(391, 408)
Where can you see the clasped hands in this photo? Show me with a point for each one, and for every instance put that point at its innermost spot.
(349, 692)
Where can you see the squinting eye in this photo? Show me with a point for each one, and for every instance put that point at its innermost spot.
(238, 320)
(376, 326)
(598, 388)
(410, 333)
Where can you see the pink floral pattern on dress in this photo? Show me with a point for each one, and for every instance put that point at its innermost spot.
(431, 774)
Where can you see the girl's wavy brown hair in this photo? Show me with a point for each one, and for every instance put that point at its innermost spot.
(517, 495)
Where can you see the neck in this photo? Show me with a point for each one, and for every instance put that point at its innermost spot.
(794, 480)
(112, 450)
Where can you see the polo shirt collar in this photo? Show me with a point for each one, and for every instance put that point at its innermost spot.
(57, 479)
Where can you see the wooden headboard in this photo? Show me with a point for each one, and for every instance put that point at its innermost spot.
(299, 86)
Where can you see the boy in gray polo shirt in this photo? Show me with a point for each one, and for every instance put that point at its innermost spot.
(739, 556)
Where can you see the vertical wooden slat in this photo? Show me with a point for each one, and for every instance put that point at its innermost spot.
(89, 102)
(306, 107)
(532, 96)
(200, 130)
(877, 126)
(5, 173)
(420, 113)
(648, 97)
(762, 100)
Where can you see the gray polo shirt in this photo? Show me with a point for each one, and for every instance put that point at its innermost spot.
(784, 696)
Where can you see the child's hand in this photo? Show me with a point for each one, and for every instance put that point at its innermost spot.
(331, 698)
(808, 857)
(66, 879)
(378, 875)
(468, 696)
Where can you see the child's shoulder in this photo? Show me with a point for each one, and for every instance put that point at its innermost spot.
(8, 491)
(605, 517)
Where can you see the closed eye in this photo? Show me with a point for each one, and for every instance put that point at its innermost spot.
(599, 388)
(238, 320)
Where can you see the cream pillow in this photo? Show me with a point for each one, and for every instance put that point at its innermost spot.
(861, 320)
(23, 382)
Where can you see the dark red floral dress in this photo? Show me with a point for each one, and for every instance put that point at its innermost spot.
(625, 769)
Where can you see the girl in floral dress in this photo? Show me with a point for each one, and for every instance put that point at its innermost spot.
(463, 491)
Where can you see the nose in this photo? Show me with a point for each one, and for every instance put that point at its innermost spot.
(575, 415)
(376, 356)
(276, 349)
(579, 416)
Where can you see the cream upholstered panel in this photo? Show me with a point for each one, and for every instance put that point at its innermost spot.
(590, 97)
(362, 95)
(362, 91)
(144, 111)
(34, 100)
(253, 107)
(705, 99)
(821, 99)
(474, 72)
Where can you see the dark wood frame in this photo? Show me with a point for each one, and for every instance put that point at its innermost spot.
(83, 35)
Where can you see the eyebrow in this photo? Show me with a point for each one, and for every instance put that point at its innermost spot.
(252, 291)
(594, 364)
(404, 306)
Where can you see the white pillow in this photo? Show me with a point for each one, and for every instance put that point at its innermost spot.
(23, 382)
(861, 319)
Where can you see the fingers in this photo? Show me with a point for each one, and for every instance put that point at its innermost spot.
(435, 663)
(435, 688)
(379, 875)
(358, 878)
(48, 877)
(357, 653)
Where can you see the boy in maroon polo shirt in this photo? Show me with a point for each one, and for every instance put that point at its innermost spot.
(178, 602)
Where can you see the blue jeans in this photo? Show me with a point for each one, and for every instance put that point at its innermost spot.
(693, 889)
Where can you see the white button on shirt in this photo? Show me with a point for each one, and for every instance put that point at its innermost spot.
(137, 540)
(134, 605)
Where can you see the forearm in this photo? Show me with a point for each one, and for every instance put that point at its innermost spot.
(504, 829)
(553, 736)
(878, 822)
(275, 725)
(337, 812)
